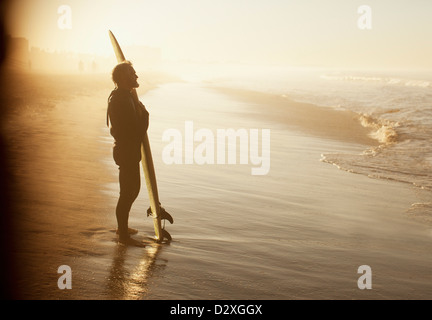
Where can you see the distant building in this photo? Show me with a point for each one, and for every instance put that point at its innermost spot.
(17, 53)
(20, 57)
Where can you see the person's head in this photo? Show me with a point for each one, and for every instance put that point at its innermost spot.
(124, 76)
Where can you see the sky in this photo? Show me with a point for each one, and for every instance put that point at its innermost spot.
(288, 32)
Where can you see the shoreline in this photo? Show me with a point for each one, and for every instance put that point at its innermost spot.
(323, 122)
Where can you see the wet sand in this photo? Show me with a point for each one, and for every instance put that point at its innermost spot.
(300, 232)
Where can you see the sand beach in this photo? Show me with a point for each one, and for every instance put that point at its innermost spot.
(299, 232)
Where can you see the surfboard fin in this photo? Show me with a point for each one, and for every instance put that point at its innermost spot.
(164, 214)
(166, 235)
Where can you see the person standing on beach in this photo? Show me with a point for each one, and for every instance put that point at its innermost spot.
(129, 122)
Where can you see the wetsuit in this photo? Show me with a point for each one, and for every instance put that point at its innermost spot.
(129, 123)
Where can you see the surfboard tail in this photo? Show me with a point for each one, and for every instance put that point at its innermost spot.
(161, 234)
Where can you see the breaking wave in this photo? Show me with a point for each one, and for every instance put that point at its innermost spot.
(382, 130)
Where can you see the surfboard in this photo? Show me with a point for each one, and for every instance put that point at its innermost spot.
(155, 210)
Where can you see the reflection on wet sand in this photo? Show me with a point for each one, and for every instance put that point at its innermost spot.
(128, 279)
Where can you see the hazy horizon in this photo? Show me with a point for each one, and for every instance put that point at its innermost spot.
(295, 33)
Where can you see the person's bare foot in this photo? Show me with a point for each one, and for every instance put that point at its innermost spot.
(128, 241)
(130, 231)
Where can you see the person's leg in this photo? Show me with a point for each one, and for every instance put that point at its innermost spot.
(129, 179)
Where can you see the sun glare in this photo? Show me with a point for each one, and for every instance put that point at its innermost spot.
(272, 32)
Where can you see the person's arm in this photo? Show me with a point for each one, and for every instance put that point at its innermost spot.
(122, 120)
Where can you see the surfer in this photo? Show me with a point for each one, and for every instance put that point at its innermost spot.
(129, 122)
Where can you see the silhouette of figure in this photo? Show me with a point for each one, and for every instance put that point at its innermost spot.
(94, 66)
(129, 122)
(81, 66)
